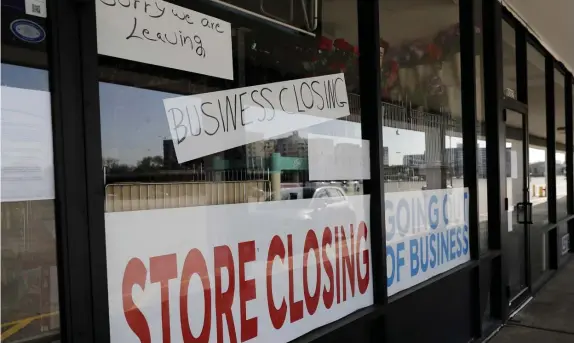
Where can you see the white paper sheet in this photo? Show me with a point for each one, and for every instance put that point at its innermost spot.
(338, 158)
(27, 154)
(160, 33)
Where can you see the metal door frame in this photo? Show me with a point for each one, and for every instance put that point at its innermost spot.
(521, 109)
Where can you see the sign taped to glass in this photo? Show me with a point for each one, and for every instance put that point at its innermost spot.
(257, 272)
(208, 123)
(163, 34)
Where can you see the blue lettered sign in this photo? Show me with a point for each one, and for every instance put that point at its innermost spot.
(427, 234)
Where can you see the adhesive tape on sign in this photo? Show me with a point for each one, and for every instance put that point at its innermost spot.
(27, 31)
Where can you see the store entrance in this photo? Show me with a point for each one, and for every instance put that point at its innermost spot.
(519, 209)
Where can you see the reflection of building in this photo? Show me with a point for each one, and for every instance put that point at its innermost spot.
(169, 156)
(292, 146)
(415, 160)
(385, 155)
(537, 168)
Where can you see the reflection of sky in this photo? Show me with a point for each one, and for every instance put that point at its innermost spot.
(133, 122)
(25, 77)
(134, 125)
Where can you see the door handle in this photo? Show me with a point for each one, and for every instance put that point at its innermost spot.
(524, 213)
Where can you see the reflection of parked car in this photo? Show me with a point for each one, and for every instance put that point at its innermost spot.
(328, 204)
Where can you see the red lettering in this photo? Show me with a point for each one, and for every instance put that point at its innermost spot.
(162, 269)
(363, 281)
(223, 258)
(195, 264)
(277, 315)
(337, 265)
(295, 307)
(135, 274)
(328, 295)
(246, 291)
(348, 262)
(312, 301)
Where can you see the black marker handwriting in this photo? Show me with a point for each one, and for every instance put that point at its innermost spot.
(183, 17)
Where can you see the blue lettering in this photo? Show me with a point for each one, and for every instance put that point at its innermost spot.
(465, 240)
(458, 241)
(400, 259)
(414, 247)
(444, 247)
(391, 255)
(433, 250)
(452, 239)
(466, 207)
(424, 253)
(433, 223)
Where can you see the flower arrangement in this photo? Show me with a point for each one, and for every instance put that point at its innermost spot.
(334, 56)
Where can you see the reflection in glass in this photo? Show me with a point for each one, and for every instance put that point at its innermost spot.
(422, 134)
(537, 160)
(422, 127)
(278, 150)
(560, 117)
(508, 60)
(30, 307)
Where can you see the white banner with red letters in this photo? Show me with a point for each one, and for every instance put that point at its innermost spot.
(257, 272)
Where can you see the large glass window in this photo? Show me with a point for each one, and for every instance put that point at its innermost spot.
(237, 170)
(509, 60)
(422, 135)
(560, 117)
(29, 272)
(481, 162)
(537, 160)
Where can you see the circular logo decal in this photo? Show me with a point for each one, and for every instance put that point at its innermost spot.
(28, 31)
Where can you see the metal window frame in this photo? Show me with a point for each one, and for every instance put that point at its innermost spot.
(77, 150)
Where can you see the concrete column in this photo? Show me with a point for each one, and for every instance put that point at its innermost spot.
(435, 158)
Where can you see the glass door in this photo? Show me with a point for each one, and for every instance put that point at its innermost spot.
(518, 206)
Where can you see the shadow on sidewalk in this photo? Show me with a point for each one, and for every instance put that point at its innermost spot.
(549, 317)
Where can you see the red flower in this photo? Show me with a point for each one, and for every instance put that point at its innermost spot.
(434, 52)
(342, 44)
(356, 50)
(325, 44)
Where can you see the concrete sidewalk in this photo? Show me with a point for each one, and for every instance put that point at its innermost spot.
(549, 317)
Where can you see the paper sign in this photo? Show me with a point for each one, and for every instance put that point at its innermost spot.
(208, 123)
(163, 34)
(338, 158)
(427, 234)
(27, 153)
(258, 272)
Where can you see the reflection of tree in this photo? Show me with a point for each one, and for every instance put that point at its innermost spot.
(150, 163)
(113, 165)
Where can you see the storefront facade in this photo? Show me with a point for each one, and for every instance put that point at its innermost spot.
(233, 170)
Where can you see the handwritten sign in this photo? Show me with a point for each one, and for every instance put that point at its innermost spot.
(163, 34)
(208, 123)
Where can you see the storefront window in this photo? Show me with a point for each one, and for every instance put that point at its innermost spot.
(508, 60)
(481, 161)
(29, 273)
(234, 164)
(537, 160)
(422, 137)
(560, 117)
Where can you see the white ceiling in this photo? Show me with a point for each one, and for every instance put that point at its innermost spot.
(551, 22)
